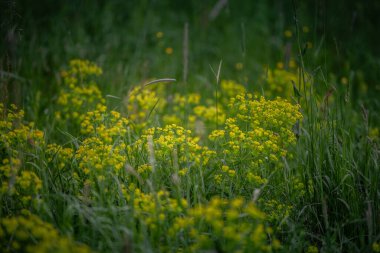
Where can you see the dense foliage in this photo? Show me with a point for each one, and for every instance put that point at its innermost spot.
(267, 140)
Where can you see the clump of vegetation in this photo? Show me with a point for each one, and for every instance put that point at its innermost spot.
(262, 153)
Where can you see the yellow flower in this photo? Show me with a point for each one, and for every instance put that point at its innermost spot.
(159, 35)
(280, 65)
(288, 33)
(169, 50)
(376, 247)
(344, 80)
(28, 233)
(237, 224)
(239, 66)
(231, 173)
(79, 93)
(312, 249)
(175, 142)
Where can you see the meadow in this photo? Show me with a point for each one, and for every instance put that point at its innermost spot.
(169, 126)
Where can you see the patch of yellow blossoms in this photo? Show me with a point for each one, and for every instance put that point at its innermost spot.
(174, 146)
(17, 141)
(28, 233)
(259, 131)
(79, 93)
(230, 225)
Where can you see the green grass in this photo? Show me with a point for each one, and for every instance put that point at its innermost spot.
(325, 196)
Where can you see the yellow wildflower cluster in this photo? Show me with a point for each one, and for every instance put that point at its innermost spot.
(154, 210)
(144, 170)
(169, 119)
(230, 89)
(222, 176)
(15, 135)
(22, 185)
(376, 247)
(174, 144)
(275, 210)
(236, 226)
(180, 102)
(256, 180)
(9, 169)
(28, 184)
(299, 187)
(80, 69)
(212, 113)
(16, 140)
(98, 158)
(106, 126)
(312, 249)
(101, 155)
(279, 82)
(144, 102)
(141, 102)
(209, 114)
(58, 155)
(200, 117)
(235, 223)
(79, 93)
(180, 107)
(258, 132)
(170, 162)
(236, 178)
(258, 146)
(278, 115)
(98, 165)
(28, 233)
(374, 133)
(188, 110)
(228, 176)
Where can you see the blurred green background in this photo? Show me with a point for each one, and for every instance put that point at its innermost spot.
(134, 41)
